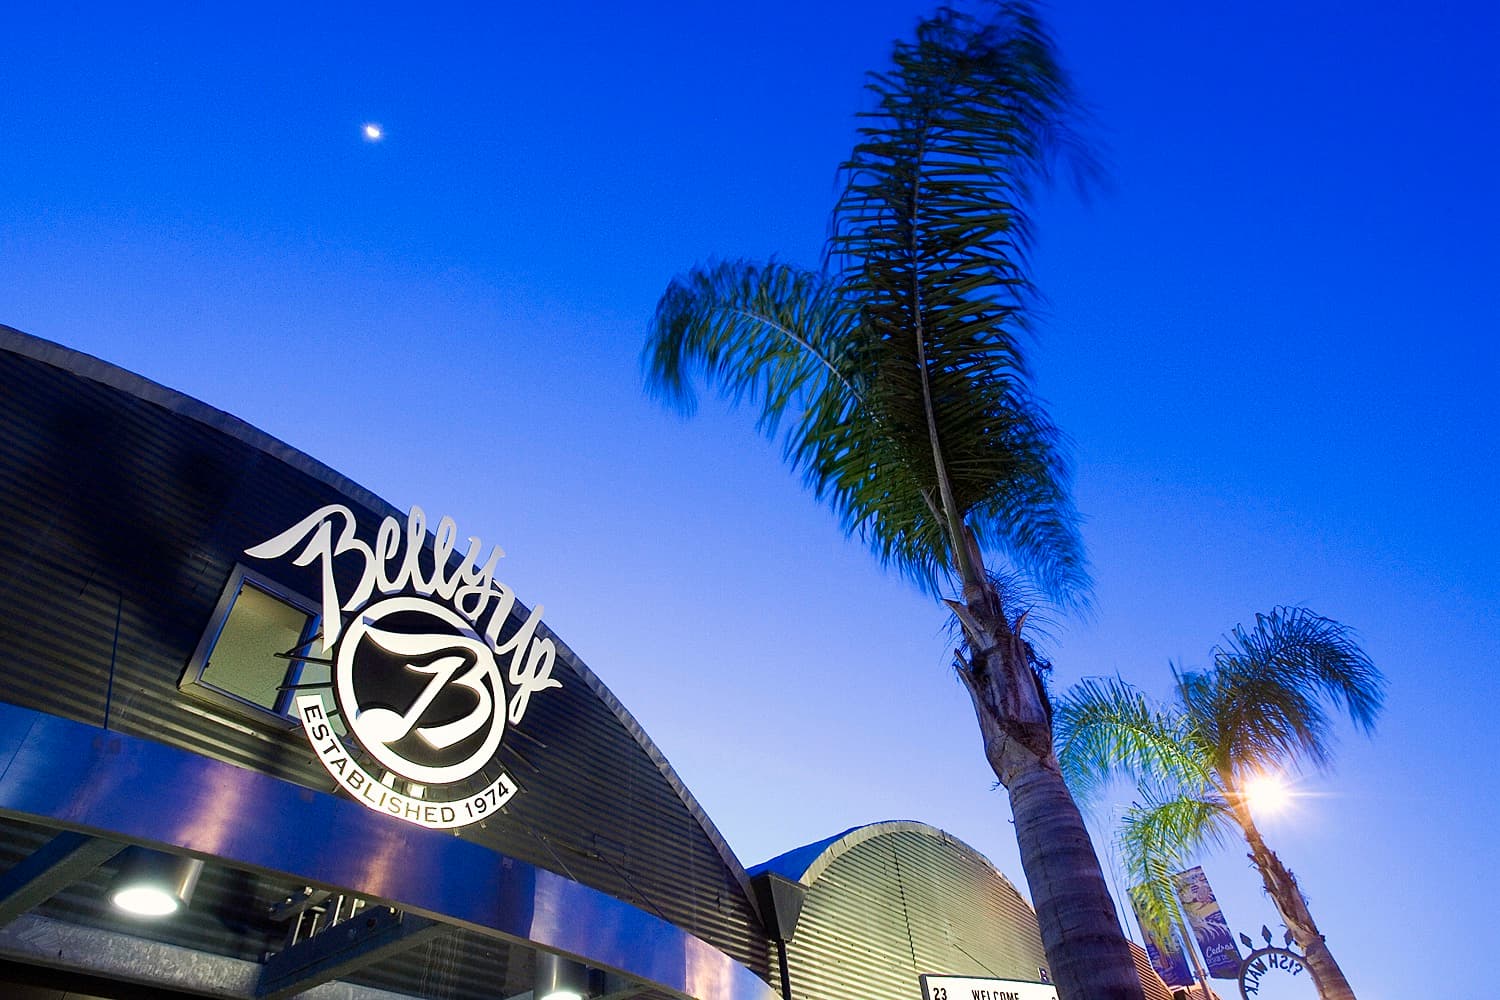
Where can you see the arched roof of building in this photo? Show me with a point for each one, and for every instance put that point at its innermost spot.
(878, 906)
(804, 864)
(85, 366)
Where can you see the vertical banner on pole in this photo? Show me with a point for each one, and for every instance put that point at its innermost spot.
(1220, 953)
(1165, 953)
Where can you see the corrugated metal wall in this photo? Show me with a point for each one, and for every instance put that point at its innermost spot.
(904, 904)
(117, 510)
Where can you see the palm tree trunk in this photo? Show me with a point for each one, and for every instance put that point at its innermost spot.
(1068, 888)
(1281, 886)
(1086, 949)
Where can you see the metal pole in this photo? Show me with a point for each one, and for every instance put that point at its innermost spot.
(1191, 945)
(786, 972)
(114, 655)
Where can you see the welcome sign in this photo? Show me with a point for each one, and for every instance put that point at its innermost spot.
(423, 675)
(973, 988)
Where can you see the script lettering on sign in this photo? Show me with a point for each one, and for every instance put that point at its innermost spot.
(423, 676)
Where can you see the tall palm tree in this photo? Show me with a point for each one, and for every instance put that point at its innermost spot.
(1260, 709)
(897, 379)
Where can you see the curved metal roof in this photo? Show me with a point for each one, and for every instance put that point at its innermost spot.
(87, 366)
(805, 864)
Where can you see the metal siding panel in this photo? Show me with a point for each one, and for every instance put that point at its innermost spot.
(903, 904)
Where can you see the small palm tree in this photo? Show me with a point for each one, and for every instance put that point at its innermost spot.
(1260, 709)
(900, 370)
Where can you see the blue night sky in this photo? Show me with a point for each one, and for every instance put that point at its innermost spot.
(1272, 341)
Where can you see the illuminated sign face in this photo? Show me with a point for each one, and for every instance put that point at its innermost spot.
(423, 676)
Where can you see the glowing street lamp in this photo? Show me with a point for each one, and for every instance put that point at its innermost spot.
(1267, 794)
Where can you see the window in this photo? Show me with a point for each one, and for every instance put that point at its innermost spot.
(250, 656)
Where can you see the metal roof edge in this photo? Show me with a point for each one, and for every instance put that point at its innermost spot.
(841, 843)
(94, 369)
(604, 694)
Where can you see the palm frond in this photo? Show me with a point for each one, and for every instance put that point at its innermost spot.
(1263, 701)
(779, 338)
(1318, 653)
(772, 333)
(1157, 839)
(1256, 723)
(1105, 726)
(903, 365)
(929, 239)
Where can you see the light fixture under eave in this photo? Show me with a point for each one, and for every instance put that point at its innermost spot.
(153, 884)
(559, 978)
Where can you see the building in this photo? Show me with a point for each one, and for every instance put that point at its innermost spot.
(364, 768)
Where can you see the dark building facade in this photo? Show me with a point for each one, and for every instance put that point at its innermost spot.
(383, 774)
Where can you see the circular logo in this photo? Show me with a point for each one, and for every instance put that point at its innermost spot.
(420, 690)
